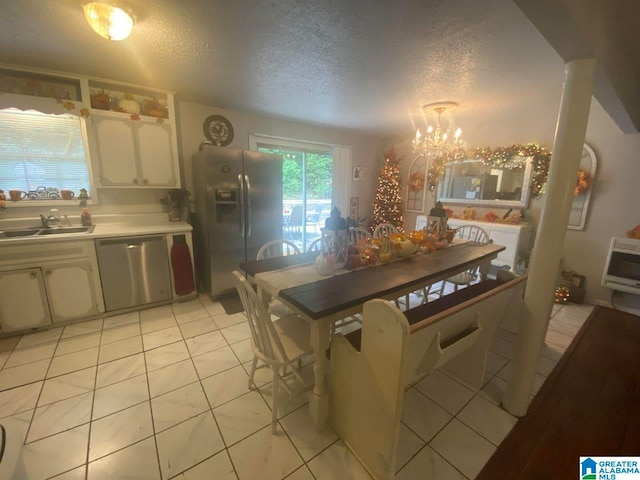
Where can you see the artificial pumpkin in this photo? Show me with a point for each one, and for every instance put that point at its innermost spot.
(326, 264)
(129, 105)
(404, 248)
(153, 108)
(101, 100)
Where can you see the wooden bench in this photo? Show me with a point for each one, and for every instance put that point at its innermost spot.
(370, 368)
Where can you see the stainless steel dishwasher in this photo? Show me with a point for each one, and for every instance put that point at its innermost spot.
(133, 270)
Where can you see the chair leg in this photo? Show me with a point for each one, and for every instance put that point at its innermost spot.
(253, 371)
(425, 295)
(275, 392)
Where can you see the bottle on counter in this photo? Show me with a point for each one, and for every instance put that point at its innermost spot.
(85, 217)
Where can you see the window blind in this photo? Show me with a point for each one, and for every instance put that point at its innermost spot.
(42, 150)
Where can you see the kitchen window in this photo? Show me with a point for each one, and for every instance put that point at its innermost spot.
(41, 155)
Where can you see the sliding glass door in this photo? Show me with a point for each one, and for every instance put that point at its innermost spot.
(306, 192)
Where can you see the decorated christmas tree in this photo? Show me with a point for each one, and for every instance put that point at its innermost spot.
(387, 207)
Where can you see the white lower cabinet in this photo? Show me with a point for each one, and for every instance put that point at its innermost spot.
(71, 291)
(41, 285)
(23, 301)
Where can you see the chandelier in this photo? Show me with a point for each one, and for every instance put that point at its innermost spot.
(437, 142)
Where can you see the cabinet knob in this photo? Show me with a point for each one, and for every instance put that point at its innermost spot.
(135, 180)
(33, 274)
(145, 181)
(47, 271)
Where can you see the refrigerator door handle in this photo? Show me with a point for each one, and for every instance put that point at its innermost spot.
(242, 199)
(248, 184)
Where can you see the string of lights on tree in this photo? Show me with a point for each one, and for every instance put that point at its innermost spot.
(507, 158)
(387, 207)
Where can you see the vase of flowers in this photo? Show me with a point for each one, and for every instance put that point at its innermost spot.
(176, 202)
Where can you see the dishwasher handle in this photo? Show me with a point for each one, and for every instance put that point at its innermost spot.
(129, 242)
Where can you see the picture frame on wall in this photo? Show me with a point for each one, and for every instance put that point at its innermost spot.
(359, 174)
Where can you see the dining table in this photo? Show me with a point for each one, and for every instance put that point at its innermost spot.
(324, 300)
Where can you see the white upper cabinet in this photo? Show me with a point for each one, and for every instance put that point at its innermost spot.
(155, 153)
(115, 147)
(131, 129)
(135, 136)
(138, 153)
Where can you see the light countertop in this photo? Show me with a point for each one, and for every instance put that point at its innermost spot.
(105, 226)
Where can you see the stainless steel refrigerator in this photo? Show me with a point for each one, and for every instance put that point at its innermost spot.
(238, 208)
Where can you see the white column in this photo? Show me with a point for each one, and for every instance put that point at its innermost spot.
(547, 251)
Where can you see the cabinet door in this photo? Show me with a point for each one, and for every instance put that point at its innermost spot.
(23, 302)
(155, 154)
(510, 240)
(116, 150)
(71, 290)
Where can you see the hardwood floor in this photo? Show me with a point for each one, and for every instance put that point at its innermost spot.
(589, 406)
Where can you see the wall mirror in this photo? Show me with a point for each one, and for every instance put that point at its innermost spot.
(471, 182)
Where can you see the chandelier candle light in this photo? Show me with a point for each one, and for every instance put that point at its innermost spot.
(437, 143)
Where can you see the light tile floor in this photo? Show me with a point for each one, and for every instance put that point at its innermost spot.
(162, 393)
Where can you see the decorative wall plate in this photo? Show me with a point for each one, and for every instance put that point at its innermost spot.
(218, 130)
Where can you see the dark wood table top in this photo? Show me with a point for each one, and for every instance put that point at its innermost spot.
(331, 295)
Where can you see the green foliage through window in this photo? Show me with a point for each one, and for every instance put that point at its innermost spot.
(318, 175)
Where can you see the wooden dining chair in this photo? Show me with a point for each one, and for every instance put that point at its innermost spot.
(384, 230)
(277, 248)
(473, 233)
(357, 234)
(315, 246)
(278, 344)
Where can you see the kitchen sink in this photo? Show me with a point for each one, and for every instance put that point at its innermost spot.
(18, 233)
(30, 232)
(63, 230)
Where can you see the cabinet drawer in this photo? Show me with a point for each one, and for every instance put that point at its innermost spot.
(36, 254)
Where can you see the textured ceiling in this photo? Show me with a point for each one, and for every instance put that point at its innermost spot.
(361, 65)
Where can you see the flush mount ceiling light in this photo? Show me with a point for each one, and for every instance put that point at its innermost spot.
(438, 142)
(110, 20)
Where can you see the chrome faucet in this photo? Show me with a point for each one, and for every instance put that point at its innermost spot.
(52, 219)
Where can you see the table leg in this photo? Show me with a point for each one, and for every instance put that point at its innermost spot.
(484, 269)
(319, 397)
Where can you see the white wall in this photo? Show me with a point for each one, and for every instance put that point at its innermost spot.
(367, 150)
(615, 203)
